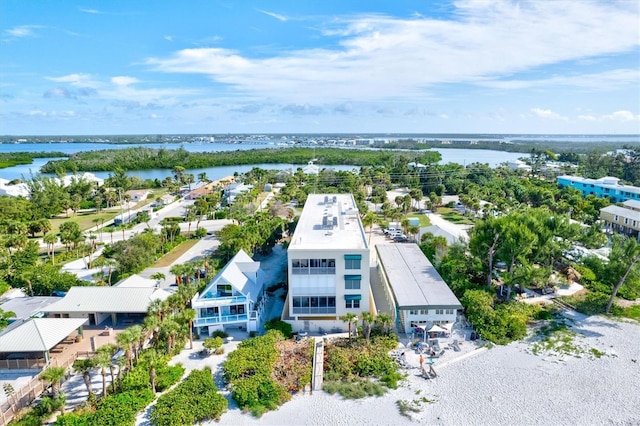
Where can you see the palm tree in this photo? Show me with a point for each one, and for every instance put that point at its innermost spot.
(53, 375)
(103, 361)
(349, 318)
(85, 366)
(150, 325)
(158, 276)
(136, 338)
(367, 221)
(50, 239)
(125, 341)
(188, 315)
(156, 307)
(111, 349)
(630, 253)
(367, 319)
(152, 358)
(385, 322)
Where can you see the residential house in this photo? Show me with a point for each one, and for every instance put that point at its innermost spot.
(328, 265)
(235, 297)
(414, 293)
(623, 219)
(231, 191)
(124, 305)
(138, 194)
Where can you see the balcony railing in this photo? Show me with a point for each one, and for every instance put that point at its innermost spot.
(313, 271)
(298, 311)
(213, 300)
(223, 319)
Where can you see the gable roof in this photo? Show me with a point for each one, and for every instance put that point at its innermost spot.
(136, 281)
(242, 272)
(38, 334)
(104, 299)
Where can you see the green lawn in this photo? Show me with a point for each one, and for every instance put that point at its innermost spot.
(84, 219)
(424, 220)
(453, 216)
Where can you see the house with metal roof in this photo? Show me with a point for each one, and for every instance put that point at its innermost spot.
(234, 297)
(415, 294)
(34, 338)
(623, 219)
(98, 304)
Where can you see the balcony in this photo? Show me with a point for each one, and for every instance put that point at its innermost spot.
(212, 299)
(313, 271)
(313, 311)
(222, 319)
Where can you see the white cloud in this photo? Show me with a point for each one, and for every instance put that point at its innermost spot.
(606, 80)
(91, 11)
(380, 57)
(547, 114)
(622, 116)
(22, 31)
(79, 80)
(124, 80)
(274, 15)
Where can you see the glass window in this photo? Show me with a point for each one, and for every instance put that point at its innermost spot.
(352, 304)
(352, 264)
(352, 282)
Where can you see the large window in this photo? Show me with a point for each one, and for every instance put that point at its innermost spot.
(352, 282)
(313, 266)
(352, 261)
(314, 305)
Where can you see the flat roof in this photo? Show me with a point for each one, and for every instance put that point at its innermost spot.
(413, 279)
(329, 221)
(104, 299)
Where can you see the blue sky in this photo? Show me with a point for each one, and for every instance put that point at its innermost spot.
(196, 66)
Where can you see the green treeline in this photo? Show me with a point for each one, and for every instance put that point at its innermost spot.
(141, 158)
(10, 159)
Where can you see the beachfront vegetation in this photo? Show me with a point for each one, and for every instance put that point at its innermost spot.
(259, 380)
(193, 401)
(359, 367)
(11, 159)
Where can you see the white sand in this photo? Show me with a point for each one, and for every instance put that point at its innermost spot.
(506, 385)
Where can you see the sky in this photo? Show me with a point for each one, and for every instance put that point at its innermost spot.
(331, 66)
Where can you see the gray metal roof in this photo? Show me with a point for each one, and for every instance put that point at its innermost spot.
(621, 211)
(104, 299)
(25, 307)
(38, 334)
(414, 281)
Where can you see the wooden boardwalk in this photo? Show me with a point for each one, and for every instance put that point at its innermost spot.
(318, 365)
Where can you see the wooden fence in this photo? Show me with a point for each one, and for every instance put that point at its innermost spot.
(24, 396)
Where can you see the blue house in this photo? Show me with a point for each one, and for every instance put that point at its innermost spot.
(234, 297)
(606, 187)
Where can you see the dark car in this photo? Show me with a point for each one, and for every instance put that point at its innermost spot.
(400, 239)
(58, 293)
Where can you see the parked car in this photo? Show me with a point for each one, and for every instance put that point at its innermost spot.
(401, 238)
(58, 293)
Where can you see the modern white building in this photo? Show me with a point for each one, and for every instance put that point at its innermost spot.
(414, 292)
(235, 297)
(328, 265)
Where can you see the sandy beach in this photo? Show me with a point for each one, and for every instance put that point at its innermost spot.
(504, 385)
